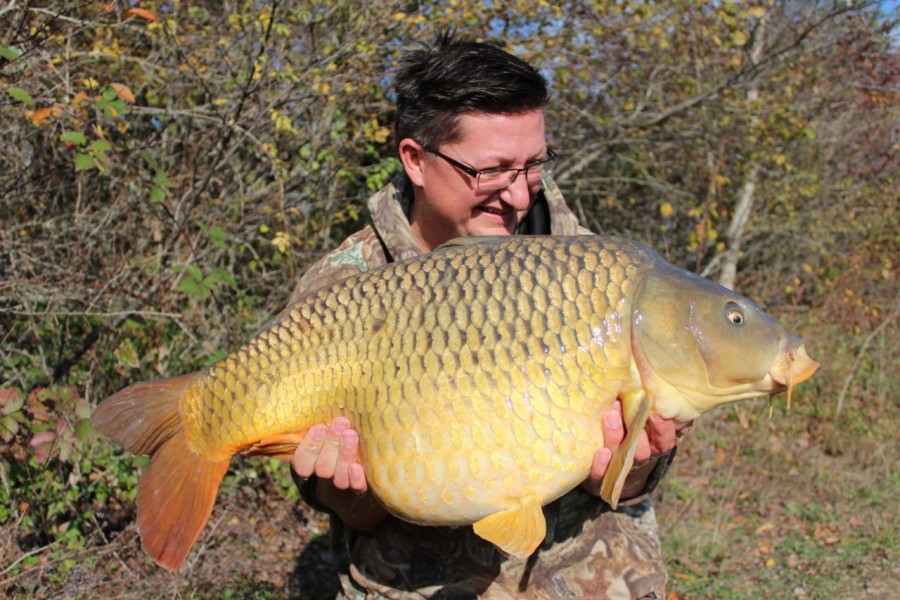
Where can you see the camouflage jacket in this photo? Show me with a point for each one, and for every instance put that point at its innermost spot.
(590, 551)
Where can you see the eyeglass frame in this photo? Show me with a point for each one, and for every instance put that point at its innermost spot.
(476, 174)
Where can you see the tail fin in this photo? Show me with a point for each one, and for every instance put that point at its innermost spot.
(177, 491)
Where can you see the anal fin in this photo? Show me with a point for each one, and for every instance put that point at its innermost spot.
(636, 407)
(518, 530)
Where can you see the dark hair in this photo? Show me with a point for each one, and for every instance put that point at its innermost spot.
(438, 84)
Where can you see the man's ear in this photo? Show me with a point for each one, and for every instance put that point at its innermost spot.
(412, 155)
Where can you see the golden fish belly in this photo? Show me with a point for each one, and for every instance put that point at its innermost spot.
(459, 468)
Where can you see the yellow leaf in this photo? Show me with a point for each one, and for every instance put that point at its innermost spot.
(666, 210)
(738, 38)
(91, 83)
(282, 241)
(758, 12)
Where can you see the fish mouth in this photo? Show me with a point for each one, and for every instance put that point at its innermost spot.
(795, 366)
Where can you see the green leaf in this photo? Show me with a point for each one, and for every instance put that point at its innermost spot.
(10, 53)
(195, 272)
(215, 358)
(126, 354)
(190, 286)
(14, 405)
(83, 429)
(20, 95)
(157, 194)
(8, 428)
(219, 275)
(100, 146)
(218, 236)
(161, 180)
(83, 161)
(76, 137)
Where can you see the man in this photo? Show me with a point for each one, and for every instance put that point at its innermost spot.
(470, 131)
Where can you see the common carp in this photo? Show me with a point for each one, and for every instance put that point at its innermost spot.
(476, 375)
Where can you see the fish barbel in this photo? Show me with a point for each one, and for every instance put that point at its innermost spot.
(476, 376)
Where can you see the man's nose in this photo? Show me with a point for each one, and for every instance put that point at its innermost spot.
(518, 195)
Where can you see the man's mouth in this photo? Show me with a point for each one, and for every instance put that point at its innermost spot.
(494, 211)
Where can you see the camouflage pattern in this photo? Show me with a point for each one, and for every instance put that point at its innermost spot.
(590, 551)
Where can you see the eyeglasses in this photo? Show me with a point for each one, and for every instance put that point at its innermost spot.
(499, 178)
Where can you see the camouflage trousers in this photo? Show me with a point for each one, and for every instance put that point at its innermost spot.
(589, 552)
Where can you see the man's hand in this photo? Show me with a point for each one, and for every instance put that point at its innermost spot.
(331, 453)
(657, 438)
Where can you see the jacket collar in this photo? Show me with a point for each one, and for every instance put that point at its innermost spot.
(389, 210)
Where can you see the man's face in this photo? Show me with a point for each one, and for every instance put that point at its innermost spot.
(448, 203)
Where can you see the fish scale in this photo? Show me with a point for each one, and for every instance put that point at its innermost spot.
(476, 377)
(409, 301)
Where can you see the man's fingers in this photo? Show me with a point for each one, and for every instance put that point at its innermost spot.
(326, 464)
(600, 464)
(662, 434)
(348, 454)
(358, 481)
(613, 429)
(304, 459)
(642, 452)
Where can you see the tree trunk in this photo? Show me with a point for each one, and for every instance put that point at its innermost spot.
(744, 205)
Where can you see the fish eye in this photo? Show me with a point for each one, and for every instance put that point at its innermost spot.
(735, 314)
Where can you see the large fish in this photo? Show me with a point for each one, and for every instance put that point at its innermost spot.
(476, 375)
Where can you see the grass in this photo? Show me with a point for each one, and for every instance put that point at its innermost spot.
(803, 506)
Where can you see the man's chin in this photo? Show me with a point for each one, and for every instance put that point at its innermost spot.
(494, 227)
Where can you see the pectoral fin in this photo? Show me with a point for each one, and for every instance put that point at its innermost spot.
(281, 445)
(636, 407)
(518, 530)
